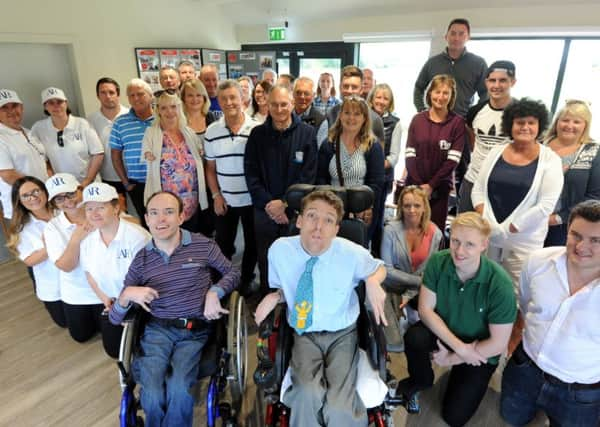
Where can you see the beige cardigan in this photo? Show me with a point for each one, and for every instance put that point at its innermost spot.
(152, 143)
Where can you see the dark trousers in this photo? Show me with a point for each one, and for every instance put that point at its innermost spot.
(84, 320)
(137, 198)
(226, 231)
(464, 203)
(378, 215)
(466, 385)
(557, 236)
(266, 231)
(56, 310)
(439, 206)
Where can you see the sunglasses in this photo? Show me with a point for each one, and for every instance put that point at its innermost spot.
(161, 92)
(59, 138)
(62, 197)
(35, 194)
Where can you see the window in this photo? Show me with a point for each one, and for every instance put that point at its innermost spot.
(314, 67)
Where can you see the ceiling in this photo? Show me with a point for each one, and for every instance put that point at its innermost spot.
(254, 12)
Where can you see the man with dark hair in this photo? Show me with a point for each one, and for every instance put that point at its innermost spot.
(484, 125)
(171, 279)
(280, 152)
(467, 69)
(186, 70)
(108, 92)
(224, 145)
(351, 84)
(555, 369)
(286, 80)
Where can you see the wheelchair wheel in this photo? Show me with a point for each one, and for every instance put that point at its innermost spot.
(237, 333)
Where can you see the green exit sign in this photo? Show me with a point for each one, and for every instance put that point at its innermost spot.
(276, 34)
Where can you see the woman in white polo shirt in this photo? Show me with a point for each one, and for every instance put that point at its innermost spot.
(63, 235)
(71, 144)
(31, 213)
(106, 253)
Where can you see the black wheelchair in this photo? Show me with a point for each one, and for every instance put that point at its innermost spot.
(275, 336)
(224, 360)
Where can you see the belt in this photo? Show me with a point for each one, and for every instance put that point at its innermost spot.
(181, 322)
(522, 357)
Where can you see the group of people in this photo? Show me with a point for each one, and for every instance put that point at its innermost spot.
(202, 155)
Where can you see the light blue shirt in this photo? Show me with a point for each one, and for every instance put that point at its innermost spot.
(335, 275)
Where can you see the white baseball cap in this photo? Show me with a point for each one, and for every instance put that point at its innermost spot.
(98, 192)
(53, 93)
(61, 183)
(7, 96)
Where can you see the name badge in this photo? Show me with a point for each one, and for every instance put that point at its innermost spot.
(299, 157)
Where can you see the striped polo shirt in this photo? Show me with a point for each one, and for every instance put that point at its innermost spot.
(227, 150)
(181, 279)
(126, 135)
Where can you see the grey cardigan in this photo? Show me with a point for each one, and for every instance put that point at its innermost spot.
(395, 255)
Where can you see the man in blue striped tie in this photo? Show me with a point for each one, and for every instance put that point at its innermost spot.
(315, 273)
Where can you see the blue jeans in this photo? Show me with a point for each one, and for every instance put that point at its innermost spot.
(166, 370)
(524, 391)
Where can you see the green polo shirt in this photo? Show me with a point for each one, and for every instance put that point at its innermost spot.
(469, 308)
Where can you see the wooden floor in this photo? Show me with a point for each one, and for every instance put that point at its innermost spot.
(47, 379)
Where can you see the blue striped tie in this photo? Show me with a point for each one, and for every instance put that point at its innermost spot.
(301, 315)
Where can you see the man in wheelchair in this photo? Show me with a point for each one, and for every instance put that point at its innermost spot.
(315, 273)
(170, 278)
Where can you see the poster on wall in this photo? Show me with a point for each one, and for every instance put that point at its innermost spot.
(169, 57)
(148, 64)
(240, 63)
(218, 58)
(192, 55)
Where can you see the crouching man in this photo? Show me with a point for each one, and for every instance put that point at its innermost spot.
(170, 278)
(315, 273)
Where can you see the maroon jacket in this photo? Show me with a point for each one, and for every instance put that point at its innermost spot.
(433, 150)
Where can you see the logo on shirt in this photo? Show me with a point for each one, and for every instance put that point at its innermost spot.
(52, 91)
(124, 254)
(77, 136)
(445, 145)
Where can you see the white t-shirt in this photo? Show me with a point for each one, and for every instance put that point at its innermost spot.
(21, 152)
(74, 287)
(103, 126)
(80, 143)
(46, 273)
(108, 265)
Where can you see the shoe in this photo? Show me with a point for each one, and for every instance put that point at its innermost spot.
(412, 403)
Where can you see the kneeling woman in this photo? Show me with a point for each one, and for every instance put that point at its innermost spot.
(106, 253)
(31, 213)
(467, 309)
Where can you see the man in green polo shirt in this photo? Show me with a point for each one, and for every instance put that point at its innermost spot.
(467, 309)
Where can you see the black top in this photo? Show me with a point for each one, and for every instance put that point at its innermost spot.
(508, 185)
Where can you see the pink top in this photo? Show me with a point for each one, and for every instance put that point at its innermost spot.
(421, 252)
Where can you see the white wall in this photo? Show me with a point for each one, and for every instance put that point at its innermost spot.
(332, 29)
(101, 35)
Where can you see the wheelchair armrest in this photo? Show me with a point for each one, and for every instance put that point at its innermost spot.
(265, 329)
(371, 336)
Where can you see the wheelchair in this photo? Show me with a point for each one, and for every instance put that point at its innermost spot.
(275, 336)
(224, 360)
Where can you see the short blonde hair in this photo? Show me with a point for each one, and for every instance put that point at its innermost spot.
(438, 80)
(199, 86)
(386, 88)
(168, 97)
(472, 220)
(575, 108)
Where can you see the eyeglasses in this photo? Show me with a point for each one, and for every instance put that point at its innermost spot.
(356, 98)
(59, 138)
(62, 197)
(35, 194)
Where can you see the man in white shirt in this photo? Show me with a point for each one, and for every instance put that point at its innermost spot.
(20, 154)
(108, 92)
(556, 368)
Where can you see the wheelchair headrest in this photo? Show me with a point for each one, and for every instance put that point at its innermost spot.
(355, 199)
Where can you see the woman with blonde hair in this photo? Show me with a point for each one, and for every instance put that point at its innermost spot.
(569, 137)
(196, 104)
(31, 212)
(172, 152)
(352, 155)
(434, 146)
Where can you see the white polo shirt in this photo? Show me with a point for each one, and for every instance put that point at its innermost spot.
(80, 143)
(562, 333)
(227, 151)
(108, 265)
(21, 152)
(46, 274)
(74, 287)
(103, 126)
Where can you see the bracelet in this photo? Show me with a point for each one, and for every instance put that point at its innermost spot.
(215, 195)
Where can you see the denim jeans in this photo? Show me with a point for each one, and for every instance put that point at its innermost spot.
(525, 391)
(166, 370)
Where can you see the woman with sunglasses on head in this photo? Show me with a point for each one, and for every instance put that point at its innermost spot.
(105, 255)
(352, 156)
(71, 144)
(569, 137)
(173, 153)
(259, 110)
(31, 212)
(434, 146)
(63, 236)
